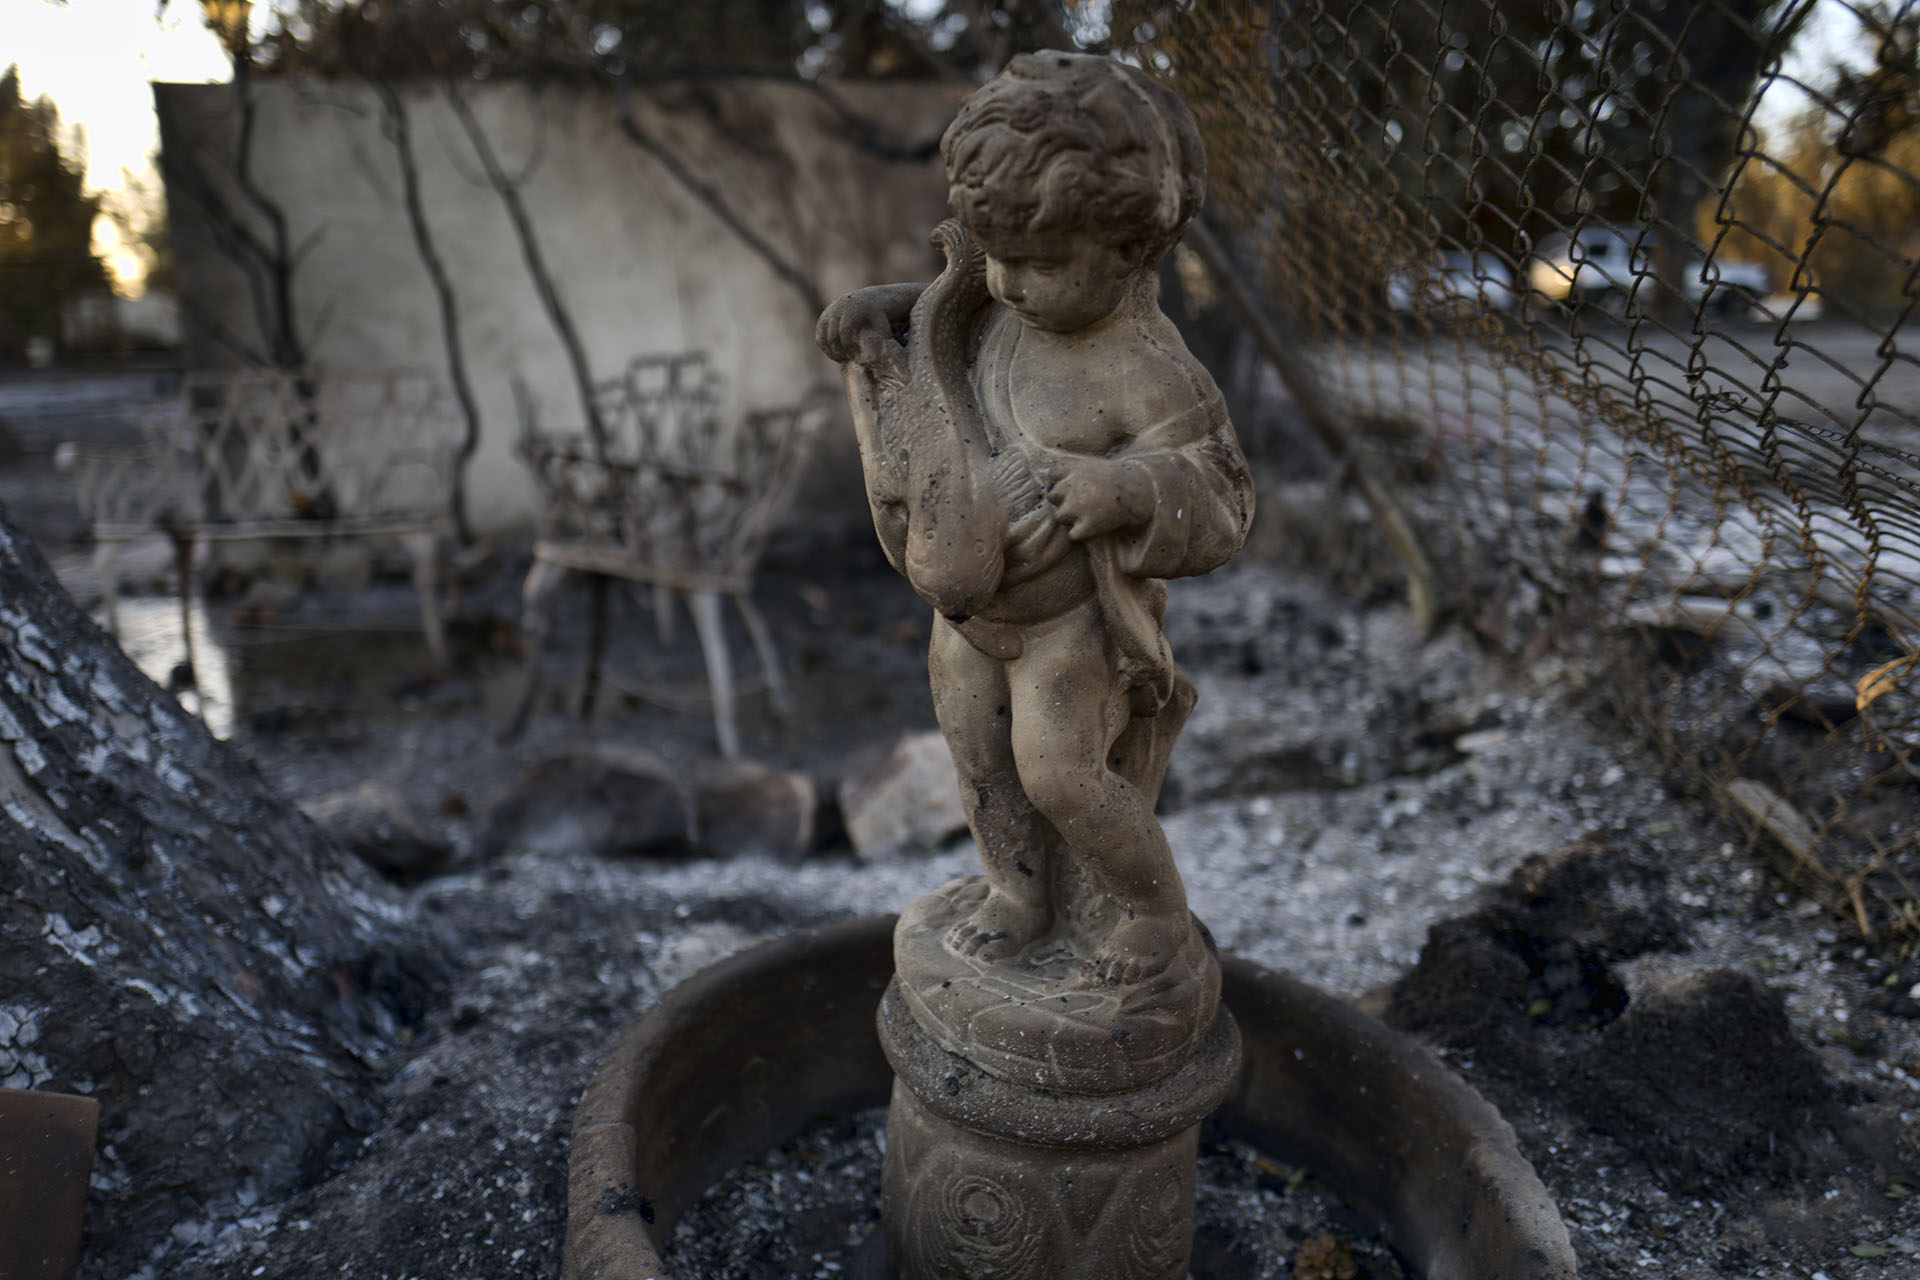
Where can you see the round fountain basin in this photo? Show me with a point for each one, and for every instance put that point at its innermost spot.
(741, 1056)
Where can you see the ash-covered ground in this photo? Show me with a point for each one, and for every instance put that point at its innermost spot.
(1712, 1078)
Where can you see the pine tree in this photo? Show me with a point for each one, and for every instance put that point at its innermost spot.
(46, 221)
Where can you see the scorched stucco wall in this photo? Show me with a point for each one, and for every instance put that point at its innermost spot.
(640, 263)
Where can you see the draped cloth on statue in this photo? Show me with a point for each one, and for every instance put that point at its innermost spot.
(1202, 501)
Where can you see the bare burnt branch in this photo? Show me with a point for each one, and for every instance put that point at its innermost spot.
(716, 204)
(217, 329)
(278, 259)
(869, 135)
(397, 125)
(544, 283)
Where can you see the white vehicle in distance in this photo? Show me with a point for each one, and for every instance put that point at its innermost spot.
(1453, 280)
(1602, 265)
(1728, 287)
(1594, 265)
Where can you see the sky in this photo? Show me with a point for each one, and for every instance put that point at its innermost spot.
(1833, 35)
(94, 58)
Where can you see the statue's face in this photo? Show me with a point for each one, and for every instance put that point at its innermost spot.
(1058, 283)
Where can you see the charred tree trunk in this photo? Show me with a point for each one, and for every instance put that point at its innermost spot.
(176, 941)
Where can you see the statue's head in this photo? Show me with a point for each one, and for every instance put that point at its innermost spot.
(1063, 144)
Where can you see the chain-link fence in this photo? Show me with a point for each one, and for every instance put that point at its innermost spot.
(1613, 302)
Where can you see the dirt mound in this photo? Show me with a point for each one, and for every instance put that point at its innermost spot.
(1539, 957)
(1705, 1080)
(1698, 1073)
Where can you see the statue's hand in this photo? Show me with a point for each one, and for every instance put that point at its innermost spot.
(1092, 496)
(858, 327)
(852, 328)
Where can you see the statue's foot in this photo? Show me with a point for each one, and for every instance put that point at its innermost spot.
(999, 928)
(1137, 949)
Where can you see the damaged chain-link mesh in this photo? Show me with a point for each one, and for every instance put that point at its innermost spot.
(1617, 299)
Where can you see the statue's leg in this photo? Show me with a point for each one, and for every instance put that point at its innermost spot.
(1068, 714)
(1141, 752)
(971, 702)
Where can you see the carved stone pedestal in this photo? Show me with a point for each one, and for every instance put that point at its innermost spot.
(990, 1176)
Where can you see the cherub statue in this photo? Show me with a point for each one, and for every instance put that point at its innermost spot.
(1040, 452)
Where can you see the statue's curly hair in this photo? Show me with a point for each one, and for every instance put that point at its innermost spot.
(1074, 142)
